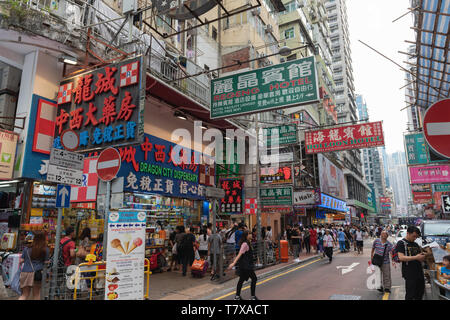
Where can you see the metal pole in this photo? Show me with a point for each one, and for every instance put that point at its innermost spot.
(56, 252)
(105, 224)
(258, 202)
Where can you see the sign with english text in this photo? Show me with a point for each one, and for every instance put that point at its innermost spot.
(284, 85)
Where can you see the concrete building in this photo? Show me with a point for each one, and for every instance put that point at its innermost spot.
(399, 181)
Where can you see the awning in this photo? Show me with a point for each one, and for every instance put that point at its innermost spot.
(432, 49)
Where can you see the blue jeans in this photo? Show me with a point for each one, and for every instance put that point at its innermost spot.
(342, 246)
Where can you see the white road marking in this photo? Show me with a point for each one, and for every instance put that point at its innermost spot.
(347, 269)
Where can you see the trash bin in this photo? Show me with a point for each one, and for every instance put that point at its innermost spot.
(284, 251)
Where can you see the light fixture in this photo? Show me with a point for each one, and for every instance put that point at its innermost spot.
(8, 182)
(5, 185)
(203, 127)
(284, 51)
(179, 115)
(227, 138)
(69, 60)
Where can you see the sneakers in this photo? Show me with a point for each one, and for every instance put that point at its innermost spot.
(254, 298)
(238, 298)
(297, 260)
(380, 289)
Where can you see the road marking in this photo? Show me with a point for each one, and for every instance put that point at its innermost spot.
(268, 279)
(386, 296)
(347, 269)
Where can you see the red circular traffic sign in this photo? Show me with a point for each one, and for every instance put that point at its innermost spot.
(108, 164)
(436, 127)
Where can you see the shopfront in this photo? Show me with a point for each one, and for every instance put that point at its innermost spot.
(305, 202)
(331, 210)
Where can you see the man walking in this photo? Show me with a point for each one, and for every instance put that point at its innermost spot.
(411, 256)
(381, 246)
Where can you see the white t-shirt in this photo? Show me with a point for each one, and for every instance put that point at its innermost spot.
(232, 238)
(269, 235)
(359, 236)
(203, 244)
(328, 241)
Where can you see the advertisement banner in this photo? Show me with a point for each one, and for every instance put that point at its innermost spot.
(276, 175)
(307, 197)
(366, 135)
(332, 179)
(431, 174)
(285, 85)
(125, 256)
(287, 135)
(8, 145)
(416, 149)
(104, 106)
(232, 203)
(276, 197)
(422, 193)
(332, 203)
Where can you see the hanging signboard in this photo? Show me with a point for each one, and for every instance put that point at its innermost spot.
(431, 174)
(276, 175)
(8, 144)
(422, 193)
(104, 107)
(441, 187)
(307, 197)
(416, 148)
(274, 158)
(287, 135)
(329, 202)
(446, 203)
(285, 85)
(125, 256)
(273, 197)
(232, 202)
(366, 135)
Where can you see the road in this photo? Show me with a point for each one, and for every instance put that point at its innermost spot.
(345, 278)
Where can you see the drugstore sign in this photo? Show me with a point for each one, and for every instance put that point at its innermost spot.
(154, 167)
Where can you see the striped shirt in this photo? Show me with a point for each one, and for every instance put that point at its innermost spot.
(379, 249)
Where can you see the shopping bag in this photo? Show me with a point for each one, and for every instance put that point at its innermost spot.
(15, 284)
(198, 265)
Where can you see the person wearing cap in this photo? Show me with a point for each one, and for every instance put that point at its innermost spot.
(411, 256)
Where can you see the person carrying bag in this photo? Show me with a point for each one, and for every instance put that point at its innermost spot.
(382, 245)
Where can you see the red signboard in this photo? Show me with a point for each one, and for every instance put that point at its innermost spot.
(366, 135)
(385, 200)
(232, 203)
(436, 127)
(422, 193)
(108, 164)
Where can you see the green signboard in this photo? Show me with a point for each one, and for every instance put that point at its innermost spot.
(284, 85)
(416, 149)
(287, 134)
(276, 197)
(441, 187)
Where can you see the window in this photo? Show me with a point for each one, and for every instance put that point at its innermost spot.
(214, 33)
(289, 33)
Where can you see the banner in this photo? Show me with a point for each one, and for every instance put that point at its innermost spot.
(8, 145)
(125, 256)
(416, 149)
(232, 203)
(332, 179)
(285, 85)
(274, 175)
(287, 135)
(431, 174)
(367, 135)
(422, 193)
(103, 106)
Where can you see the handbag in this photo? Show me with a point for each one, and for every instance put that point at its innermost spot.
(378, 260)
(37, 275)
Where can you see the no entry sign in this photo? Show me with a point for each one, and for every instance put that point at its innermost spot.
(108, 164)
(436, 127)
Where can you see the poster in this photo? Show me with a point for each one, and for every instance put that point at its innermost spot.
(125, 256)
(8, 144)
(332, 179)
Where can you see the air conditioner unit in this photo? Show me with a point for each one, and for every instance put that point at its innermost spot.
(269, 28)
(256, 11)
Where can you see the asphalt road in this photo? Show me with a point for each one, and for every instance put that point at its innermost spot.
(345, 278)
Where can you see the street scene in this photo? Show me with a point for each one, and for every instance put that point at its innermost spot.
(211, 151)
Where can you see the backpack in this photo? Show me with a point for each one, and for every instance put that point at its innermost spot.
(61, 262)
(395, 257)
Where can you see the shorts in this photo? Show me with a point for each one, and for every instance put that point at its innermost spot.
(359, 244)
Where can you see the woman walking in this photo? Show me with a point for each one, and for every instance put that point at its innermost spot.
(307, 239)
(313, 238)
(186, 250)
(33, 259)
(328, 244)
(245, 260)
(203, 243)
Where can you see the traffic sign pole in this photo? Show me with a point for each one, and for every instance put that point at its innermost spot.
(56, 252)
(105, 224)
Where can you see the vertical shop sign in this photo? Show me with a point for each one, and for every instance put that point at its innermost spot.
(104, 106)
(8, 144)
(416, 149)
(287, 84)
(232, 202)
(125, 256)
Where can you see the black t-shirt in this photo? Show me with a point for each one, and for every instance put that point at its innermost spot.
(410, 269)
(187, 242)
(172, 236)
(288, 234)
(294, 233)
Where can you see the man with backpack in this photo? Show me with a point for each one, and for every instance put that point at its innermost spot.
(410, 254)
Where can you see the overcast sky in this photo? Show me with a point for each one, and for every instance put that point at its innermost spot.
(376, 78)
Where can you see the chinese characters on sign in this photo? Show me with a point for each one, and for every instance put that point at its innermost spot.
(422, 193)
(333, 203)
(273, 175)
(275, 197)
(286, 135)
(416, 149)
(103, 106)
(359, 136)
(287, 84)
(431, 174)
(232, 203)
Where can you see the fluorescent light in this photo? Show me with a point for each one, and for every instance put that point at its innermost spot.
(5, 185)
(69, 60)
(8, 182)
(179, 115)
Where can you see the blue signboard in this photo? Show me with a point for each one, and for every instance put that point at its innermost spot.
(150, 168)
(63, 196)
(329, 202)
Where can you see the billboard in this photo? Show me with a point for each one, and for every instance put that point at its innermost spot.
(366, 135)
(307, 197)
(430, 174)
(284, 85)
(104, 106)
(332, 180)
(275, 197)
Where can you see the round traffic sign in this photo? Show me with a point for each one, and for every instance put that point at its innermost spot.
(70, 140)
(108, 164)
(436, 127)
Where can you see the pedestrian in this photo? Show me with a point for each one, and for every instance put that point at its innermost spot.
(203, 243)
(173, 248)
(186, 250)
(269, 238)
(263, 233)
(68, 244)
(33, 259)
(214, 248)
(411, 256)
(341, 238)
(295, 236)
(328, 245)
(382, 247)
(445, 272)
(178, 239)
(289, 239)
(84, 246)
(307, 240)
(230, 241)
(245, 260)
(320, 243)
(313, 238)
(359, 234)
(237, 236)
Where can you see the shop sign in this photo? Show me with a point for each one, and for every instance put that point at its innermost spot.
(422, 193)
(273, 158)
(431, 174)
(87, 192)
(333, 203)
(228, 169)
(299, 211)
(215, 193)
(446, 203)
(284, 85)
(125, 256)
(276, 175)
(367, 135)
(44, 190)
(385, 200)
(233, 200)
(272, 197)
(287, 135)
(83, 205)
(416, 149)
(8, 144)
(152, 168)
(332, 179)
(327, 103)
(307, 197)
(441, 187)
(104, 107)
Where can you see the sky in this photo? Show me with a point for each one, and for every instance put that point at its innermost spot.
(377, 79)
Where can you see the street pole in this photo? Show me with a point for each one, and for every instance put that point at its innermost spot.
(56, 252)
(105, 224)
(258, 204)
